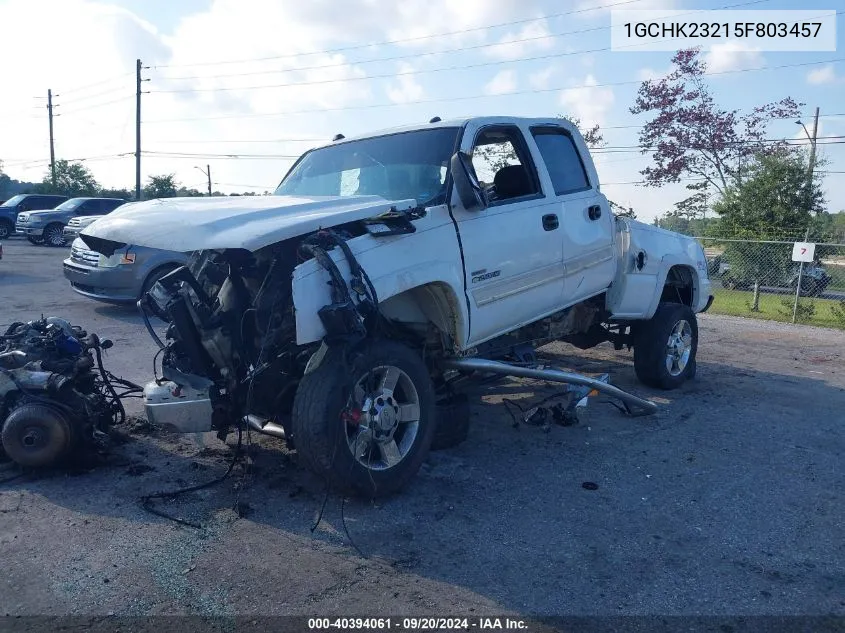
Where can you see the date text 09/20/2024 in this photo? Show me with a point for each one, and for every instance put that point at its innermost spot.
(417, 624)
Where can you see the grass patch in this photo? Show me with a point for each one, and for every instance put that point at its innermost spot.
(738, 303)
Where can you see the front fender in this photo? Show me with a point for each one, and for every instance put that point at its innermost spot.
(311, 290)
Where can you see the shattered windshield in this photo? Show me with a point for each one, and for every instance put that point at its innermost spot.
(395, 167)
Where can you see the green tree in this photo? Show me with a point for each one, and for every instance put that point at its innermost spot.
(123, 194)
(72, 180)
(775, 194)
(162, 186)
(183, 192)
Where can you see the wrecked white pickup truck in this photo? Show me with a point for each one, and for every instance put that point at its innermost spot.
(384, 268)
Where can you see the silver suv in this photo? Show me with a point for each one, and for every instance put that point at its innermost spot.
(122, 277)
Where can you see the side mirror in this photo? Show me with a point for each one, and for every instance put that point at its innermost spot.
(469, 189)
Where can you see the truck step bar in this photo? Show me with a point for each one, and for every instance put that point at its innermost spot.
(634, 404)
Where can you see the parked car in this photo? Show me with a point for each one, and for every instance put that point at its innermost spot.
(814, 279)
(76, 224)
(121, 277)
(10, 209)
(384, 268)
(42, 227)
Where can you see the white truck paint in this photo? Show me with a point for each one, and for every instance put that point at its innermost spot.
(515, 271)
(500, 241)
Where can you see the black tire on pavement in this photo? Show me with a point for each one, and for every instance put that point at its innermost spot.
(324, 399)
(35, 240)
(36, 435)
(54, 235)
(452, 422)
(654, 342)
(7, 229)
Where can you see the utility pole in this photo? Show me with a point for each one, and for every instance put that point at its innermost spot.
(207, 172)
(52, 146)
(813, 146)
(137, 129)
(809, 200)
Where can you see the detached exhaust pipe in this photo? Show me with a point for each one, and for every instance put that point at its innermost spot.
(642, 406)
(263, 425)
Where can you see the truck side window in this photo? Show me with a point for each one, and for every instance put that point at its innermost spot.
(565, 166)
(502, 164)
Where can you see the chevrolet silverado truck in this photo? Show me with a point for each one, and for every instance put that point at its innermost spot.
(386, 268)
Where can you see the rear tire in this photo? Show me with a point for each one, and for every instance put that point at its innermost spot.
(373, 452)
(665, 347)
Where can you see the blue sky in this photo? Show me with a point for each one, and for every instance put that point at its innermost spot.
(559, 65)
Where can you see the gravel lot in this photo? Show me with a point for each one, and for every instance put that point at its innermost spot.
(728, 501)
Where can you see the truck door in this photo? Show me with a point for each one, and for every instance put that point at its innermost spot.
(585, 217)
(512, 249)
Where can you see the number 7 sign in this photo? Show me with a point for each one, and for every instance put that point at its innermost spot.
(803, 251)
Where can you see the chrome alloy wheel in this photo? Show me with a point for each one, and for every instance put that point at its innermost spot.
(679, 348)
(382, 418)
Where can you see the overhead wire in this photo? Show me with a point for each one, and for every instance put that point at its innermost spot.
(473, 97)
(461, 49)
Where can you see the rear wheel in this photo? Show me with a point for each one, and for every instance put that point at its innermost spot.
(365, 423)
(54, 235)
(6, 229)
(665, 347)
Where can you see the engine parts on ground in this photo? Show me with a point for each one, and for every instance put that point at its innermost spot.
(57, 401)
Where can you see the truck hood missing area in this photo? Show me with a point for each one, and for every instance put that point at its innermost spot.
(193, 224)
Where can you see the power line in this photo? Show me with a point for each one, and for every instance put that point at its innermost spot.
(95, 84)
(483, 96)
(392, 75)
(99, 105)
(402, 40)
(209, 155)
(440, 52)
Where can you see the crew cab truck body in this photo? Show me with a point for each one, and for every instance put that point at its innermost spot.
(329, 311)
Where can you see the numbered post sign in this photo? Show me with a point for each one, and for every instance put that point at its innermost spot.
(803, 251)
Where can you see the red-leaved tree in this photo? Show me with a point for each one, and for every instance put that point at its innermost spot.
(689, 135)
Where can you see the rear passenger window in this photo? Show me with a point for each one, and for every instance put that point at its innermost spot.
(562, 160)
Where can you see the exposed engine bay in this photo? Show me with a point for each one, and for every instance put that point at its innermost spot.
(57, 400)
(231, 338)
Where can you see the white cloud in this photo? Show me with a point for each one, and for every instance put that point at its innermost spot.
(649, 74)
(540, 79)
(503, 82)
(588, 101)
(732, 56)
(532, 37)
(823, 75)
(405, 89)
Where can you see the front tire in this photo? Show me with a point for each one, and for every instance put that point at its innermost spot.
(6, 229)
(364, 420)
(37, 241)
(665, 347)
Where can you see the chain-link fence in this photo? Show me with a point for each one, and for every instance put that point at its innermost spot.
(758, 279)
